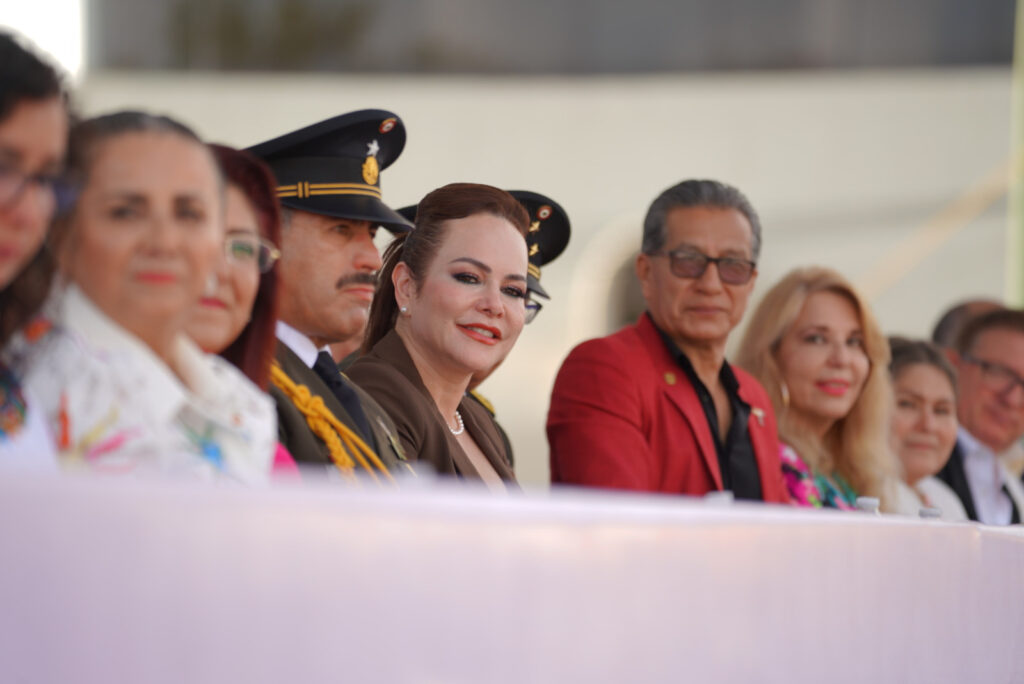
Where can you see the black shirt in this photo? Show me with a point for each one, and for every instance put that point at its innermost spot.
(736, 459)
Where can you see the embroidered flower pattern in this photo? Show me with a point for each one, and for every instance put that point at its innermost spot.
(12, 404)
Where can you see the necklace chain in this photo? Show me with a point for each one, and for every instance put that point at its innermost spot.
(458, 420)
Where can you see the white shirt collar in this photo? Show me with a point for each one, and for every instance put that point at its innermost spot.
(298, 343)
(985, 479)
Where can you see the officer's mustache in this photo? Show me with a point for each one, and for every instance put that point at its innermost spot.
(361, 278)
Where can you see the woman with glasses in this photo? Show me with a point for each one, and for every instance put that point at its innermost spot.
(815, 346)
(924, 426)
(235, 317)
(123, 388)
(33, 138)
(450, 303)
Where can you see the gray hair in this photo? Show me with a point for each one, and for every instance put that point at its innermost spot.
(697, 193)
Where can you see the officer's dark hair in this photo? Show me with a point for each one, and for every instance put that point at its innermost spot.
(1000, 319)
(418, 247)
(906, 352)
(24, 76)
(696, 193)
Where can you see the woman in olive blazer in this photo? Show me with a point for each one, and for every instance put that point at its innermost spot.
(451, 302)
(389, 375)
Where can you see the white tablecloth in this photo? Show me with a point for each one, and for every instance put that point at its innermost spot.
(113, 581)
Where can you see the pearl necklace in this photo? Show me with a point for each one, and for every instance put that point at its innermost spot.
(462, 426)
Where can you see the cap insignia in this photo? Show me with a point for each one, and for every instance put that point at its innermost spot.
(387, 125)
(544, 212)
(371, 170)
(535, 226)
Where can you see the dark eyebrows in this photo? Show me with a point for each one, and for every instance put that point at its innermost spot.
(479, 264)
(486, 269)
(728, 252)
(190, 197)
(129, 195)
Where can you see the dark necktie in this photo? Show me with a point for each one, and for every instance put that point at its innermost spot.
(329, 373)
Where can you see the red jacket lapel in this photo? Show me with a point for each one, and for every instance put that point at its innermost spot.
(674, 383)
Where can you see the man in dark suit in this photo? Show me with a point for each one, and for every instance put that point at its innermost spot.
(989, 358)
(328, 177)
(655, 406)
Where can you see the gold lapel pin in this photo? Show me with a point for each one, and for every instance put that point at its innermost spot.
(670, 378)
(759, 414)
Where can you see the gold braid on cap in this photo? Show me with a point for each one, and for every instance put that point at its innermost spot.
(341, 441)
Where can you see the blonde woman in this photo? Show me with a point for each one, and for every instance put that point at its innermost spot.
(815, 346)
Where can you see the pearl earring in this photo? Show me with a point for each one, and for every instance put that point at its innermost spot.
(403, 309)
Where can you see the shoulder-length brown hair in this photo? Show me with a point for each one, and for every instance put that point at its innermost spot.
(418, 247)
(253, 349)
(856, 445)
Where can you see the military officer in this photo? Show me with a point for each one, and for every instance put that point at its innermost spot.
(328, 182)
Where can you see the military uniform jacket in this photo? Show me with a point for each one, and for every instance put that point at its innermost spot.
(388, 373)
(295, 434)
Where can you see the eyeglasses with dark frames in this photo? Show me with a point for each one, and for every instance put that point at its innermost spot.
(533, 308)
(53, 193)
(997, 376)
(689, 263)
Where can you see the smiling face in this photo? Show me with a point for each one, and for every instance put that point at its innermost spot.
(698, 311)
(468, 311)
(147, 230)
(924, 422)
(991, 409)
(327, 271)
(33, 137)
(823, 361)
(222, 314)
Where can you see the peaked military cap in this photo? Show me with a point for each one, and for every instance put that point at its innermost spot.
(408, 213)
(333, 167)
(547, 237)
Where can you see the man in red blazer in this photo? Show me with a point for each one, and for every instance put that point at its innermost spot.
(656, 407)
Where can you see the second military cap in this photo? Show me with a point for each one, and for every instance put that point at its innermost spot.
(547, 237)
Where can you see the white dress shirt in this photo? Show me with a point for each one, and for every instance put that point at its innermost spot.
(986, 477)
(113, 406)
(298, 343)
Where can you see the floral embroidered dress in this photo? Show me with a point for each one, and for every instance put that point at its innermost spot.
(814, 489)
(113, 406)
(25, 442)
